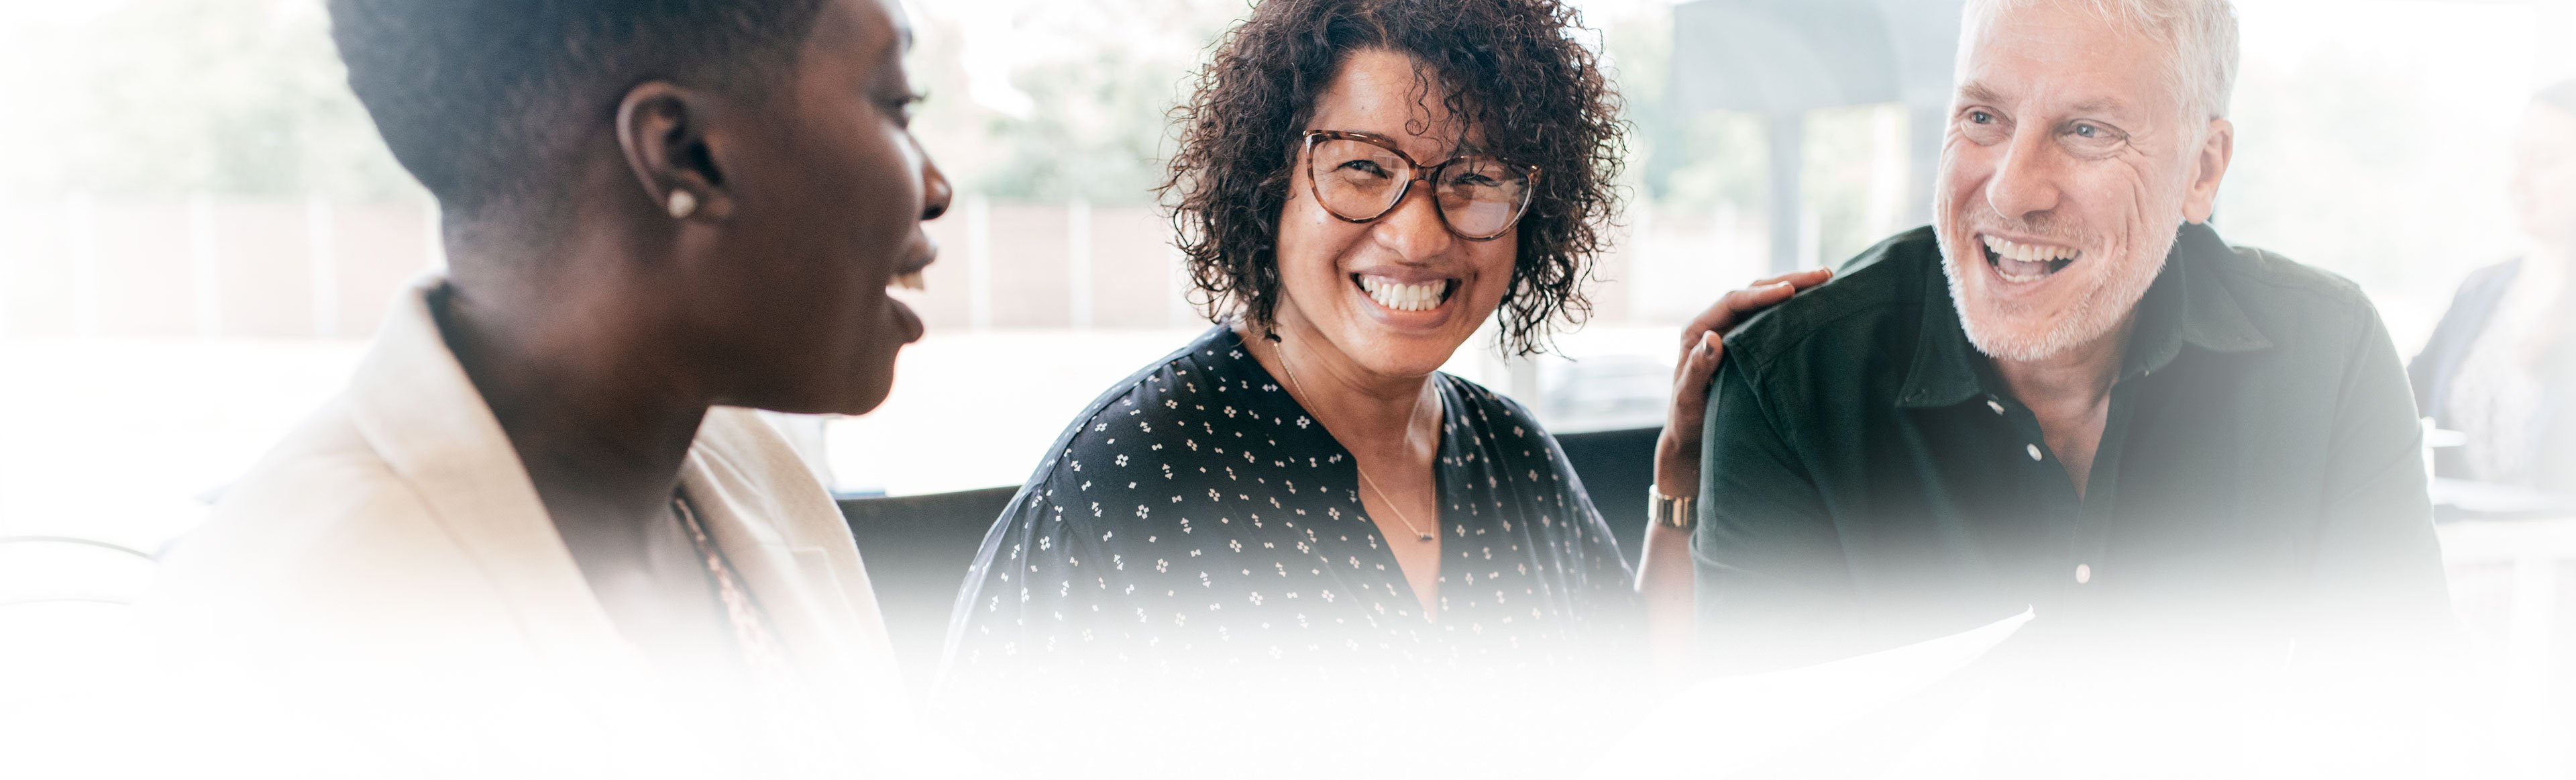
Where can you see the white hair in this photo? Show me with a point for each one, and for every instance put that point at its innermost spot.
(2201, 34)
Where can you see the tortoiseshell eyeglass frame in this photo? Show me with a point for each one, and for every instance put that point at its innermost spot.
(1421, 173)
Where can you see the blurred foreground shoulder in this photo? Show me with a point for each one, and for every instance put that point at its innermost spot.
(320, 522)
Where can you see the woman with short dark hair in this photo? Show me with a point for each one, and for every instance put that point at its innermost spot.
(539, 534)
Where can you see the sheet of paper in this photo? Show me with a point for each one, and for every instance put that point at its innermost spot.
(1722, 725)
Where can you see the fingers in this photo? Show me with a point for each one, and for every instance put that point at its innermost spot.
(1690, 385)
(1690, 382)
(1677, 448)
(1800, 279)
(1756, 298)
(1761, 295)
(1733, 307)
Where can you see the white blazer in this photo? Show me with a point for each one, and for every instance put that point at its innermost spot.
(385, 595)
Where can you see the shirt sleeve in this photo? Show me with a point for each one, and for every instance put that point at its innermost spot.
(1049, 585)
(2378, 565)
(990, 618)
(1605, 598)
(1770, 566)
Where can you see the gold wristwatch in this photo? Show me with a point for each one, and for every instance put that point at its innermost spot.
(1670, 512)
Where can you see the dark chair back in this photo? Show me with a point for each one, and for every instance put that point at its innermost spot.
(1616, 467)
(917, 547)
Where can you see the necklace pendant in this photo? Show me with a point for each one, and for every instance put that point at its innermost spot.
(1426, 538)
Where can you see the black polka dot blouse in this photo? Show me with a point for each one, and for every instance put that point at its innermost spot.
(1195, 515)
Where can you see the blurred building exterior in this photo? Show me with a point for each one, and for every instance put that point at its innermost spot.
(1782, 59)
(260, 268)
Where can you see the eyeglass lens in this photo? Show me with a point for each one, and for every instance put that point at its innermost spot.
(1479, 196)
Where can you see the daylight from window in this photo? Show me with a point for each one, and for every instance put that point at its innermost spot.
(200, 232)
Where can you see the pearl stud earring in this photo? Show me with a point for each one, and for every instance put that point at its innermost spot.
(683, 204)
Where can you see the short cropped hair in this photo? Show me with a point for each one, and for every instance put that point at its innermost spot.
(2200, 33)
(480, 99)
(1514, 71)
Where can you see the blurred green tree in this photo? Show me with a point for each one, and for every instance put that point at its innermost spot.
(160, 98)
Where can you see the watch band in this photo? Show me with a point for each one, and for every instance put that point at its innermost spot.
(1670, 512)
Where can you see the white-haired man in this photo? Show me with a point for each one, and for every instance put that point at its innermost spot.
(2068, 395)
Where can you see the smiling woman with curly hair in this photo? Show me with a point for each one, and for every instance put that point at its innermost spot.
(1510, 71)
(1360, 185)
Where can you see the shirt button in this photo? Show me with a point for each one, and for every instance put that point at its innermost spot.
(1995, 405)
(2083, 573)
(2033, 449)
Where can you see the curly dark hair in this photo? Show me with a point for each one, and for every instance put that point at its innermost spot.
(1512, 69)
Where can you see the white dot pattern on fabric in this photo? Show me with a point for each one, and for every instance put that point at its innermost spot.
(1197, 515)
(2034, 451)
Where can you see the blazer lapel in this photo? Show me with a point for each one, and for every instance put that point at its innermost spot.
(775, 524)
(416, 408)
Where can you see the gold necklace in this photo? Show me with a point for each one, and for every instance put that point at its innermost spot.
(1300, 390)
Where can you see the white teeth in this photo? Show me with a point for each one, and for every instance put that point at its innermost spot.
(2033, 258)
(1403, 297)
(2029, 253)
(910, 281)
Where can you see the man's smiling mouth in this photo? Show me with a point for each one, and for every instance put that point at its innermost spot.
(2020, 263)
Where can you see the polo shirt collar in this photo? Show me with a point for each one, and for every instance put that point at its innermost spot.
(1945, 363)
(2212, 318)
(2181, 307)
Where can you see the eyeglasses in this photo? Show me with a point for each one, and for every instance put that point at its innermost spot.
(1359, 177)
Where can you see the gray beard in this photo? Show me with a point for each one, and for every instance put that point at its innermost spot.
(2087, 323)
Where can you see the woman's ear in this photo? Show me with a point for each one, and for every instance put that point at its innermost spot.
(662, 128)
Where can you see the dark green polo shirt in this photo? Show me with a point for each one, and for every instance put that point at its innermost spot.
(1870, 481)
